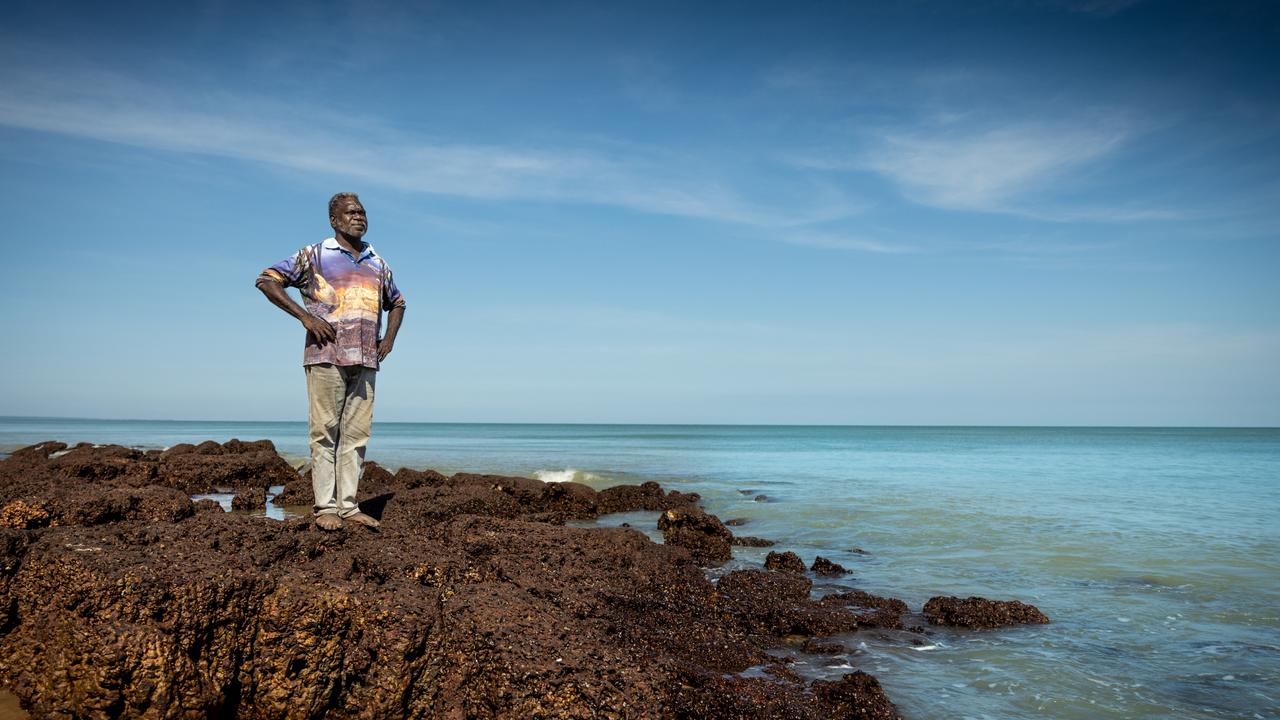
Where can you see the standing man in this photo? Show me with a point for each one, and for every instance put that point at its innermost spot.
(346, 286)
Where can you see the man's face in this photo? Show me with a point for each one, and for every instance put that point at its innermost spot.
(349, 219)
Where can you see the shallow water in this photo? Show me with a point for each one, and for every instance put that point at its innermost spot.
(1154, 551)
(275, 512)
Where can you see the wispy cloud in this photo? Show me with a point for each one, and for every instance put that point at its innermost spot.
(989, 170)
(120, 109)
(835, 241)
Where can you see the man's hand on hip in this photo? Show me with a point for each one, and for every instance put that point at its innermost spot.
(319, 328)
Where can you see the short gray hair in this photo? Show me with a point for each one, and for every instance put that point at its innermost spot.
(333, 201)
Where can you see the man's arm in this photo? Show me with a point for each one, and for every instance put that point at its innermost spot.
(394, 317)
(318, 327)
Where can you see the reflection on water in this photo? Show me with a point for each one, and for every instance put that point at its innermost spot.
(275, 512)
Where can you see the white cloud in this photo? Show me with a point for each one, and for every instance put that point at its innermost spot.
(989, 170)
(118, 109)
(834, 241)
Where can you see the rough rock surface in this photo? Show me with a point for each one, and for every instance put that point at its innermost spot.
(751, 541)
(976, 612)
(250, 499)
(208, 467)
(647, 496)
(120, 597)
(823, 566)
(705, 537)
(878, 611)
(784, 562)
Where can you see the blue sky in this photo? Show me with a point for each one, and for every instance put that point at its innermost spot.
(1000, 212)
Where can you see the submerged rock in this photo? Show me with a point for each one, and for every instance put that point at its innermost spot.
(879, 612)
(976, 612)
(826, 567)
(751, 541)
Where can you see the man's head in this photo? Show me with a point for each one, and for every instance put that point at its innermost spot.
(346, 216)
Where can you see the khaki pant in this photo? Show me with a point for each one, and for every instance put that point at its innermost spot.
(341, 419)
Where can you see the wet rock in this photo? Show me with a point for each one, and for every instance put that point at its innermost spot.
(752, 697)
(250, 499)
(818, 647)
(295, 492)
(823, 566)
(735, 522)
(777, 603)
(39, 452)
(751, 541)
(701, 533)
(761, 498)
(878, 612)
(648, 496)
(784, 562)
(976, 612)
(129, 600)
(856, 695)
(207, 506)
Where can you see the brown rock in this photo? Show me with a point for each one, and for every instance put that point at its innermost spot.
(648, 496)
(823, 566)
(784, 562)
(777, 603)
(857, 696)
(250, 499)
(24, 516)
(701, 533)
(976, 612)
(750, 541)
(880, 612)
(135, 602)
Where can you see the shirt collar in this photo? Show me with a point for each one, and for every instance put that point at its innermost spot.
(332, 244)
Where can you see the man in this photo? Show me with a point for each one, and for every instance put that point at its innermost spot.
(346, 286)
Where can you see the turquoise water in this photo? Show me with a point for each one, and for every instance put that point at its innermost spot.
(1155, 551)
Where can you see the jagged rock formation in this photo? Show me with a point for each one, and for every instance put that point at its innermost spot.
(120, 597)
(976, 612)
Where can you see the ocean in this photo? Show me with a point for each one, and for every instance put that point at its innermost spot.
(1154, 551)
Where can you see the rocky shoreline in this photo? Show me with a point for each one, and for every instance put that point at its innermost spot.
(120, 597)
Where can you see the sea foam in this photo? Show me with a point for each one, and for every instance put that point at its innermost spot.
(566, 475)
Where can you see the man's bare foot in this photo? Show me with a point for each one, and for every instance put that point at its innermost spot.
(363, 520)
(328, 521)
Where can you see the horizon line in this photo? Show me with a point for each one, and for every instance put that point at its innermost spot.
(677, 424)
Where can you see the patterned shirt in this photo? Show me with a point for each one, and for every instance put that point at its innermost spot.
(349, 291)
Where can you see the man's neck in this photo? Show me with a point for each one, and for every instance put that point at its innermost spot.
(355, 246)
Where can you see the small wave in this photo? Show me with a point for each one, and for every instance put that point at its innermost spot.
(566, 475)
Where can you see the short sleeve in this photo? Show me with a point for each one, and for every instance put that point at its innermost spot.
(293, 271)
(391, 297)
